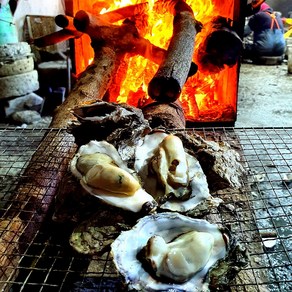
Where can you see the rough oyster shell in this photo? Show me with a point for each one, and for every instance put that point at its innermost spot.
(119, 124)
(129, 244)
(138, 201)
(199, 190)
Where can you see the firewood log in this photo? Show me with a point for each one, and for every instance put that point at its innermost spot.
(117, 40)
(125, 37)
(56, 37)
(68, 32)
(65, 21)
(220, 46)
(167, 84)
(167, 115)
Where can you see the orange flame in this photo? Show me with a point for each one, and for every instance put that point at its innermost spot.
(205, 97)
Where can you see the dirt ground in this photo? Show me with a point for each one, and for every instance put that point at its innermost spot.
(265, 96)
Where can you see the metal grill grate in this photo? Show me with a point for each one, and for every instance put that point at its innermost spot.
(38, 253)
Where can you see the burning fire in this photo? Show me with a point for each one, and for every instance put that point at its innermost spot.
(206, 96)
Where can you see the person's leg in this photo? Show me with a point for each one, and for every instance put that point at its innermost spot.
(248, 52)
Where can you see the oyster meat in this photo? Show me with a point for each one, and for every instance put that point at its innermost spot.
(171, 175)
(181, 258)
(170, 164)
(105, 175)
(172, 251)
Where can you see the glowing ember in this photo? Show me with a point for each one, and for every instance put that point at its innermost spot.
(205, 97)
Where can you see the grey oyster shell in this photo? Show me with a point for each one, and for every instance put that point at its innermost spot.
(119, 124)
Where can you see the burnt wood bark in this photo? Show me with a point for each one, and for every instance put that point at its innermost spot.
(220, 46)
(167, 84)
(65, 21)
(121, 38)
(68, 32)
(56, 37)
(167, 115)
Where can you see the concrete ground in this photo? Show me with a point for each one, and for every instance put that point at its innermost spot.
(265, 96)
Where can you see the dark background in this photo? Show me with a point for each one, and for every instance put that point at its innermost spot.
(284, 6)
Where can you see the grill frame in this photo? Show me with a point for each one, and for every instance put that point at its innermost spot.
(262, 206)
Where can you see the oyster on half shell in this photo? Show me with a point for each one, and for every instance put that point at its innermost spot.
(172, 176)
(170, 164)
(103, 174)
(169, 251)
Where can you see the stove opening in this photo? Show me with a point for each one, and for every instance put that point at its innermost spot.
(209, 93)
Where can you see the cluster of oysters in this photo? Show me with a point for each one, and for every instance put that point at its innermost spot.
(165, 250)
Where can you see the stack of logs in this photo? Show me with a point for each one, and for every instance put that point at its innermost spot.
(111, 42)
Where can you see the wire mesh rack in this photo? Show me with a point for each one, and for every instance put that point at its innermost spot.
(35, 254)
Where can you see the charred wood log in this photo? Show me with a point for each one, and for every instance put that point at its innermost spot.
(65, 21)
(160, 6)
(167, 84)
(56, 37)
(125, 12)
(122, 38)
(167, 115)
(68, 32)
(10, 230)
(220, 46)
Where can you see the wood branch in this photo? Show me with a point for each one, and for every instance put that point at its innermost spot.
(56, 37)
(92, 85)
(133, 10)
(68, 32)
(120, 38)
(167, 115)
(123, 38)
(124, 12)
(129, 11)
(65, 21)
(167, 84)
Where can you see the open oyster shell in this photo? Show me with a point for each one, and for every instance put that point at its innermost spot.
(127, 246)
(197, 185)
(103, 174)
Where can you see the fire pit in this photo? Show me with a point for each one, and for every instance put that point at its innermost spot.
(57, 235)
(169, 56)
